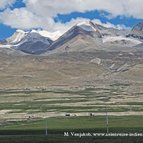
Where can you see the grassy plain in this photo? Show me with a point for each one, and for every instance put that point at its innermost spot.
(34, 131)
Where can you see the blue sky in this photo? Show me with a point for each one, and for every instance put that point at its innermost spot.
(10, 16)
(127, 21)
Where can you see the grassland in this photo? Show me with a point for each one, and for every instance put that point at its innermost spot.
(29, 104)
(125, 123)
(34, 131)
(42, 103)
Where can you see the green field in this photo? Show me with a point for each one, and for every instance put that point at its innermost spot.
(69, 100)
(19, 104)
(120, 124)
(34, 131)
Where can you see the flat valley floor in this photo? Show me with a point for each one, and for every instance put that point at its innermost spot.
(70, 91)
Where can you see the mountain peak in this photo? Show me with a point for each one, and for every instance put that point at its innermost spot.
(87, 26)
(137, 31)
(20, 31)
(138, 27)
(84, 23)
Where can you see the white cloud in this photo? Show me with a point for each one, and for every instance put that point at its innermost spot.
(24, 19)
(40, 13)
(115, 7)
(5, 3)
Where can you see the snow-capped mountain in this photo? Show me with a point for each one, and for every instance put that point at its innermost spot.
(19, 35)
(87, 26)
(117, 37)
(34, 36)
(80, 34)
(89, 35)
(33, 43)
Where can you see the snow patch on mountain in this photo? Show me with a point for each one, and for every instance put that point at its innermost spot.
(16, 37)
(87, 26)
(52, 35)
(120, 38)
(5, 46)
(21, 36)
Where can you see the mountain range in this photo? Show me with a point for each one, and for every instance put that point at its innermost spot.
(81, 37)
